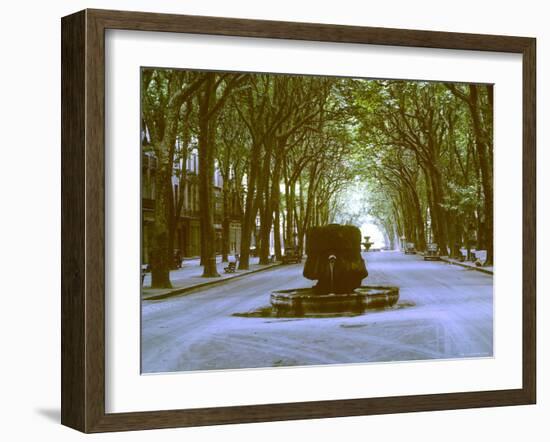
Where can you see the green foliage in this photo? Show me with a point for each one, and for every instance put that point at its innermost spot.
(415, 156)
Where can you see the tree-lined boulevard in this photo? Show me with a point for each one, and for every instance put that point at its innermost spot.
(292, 149)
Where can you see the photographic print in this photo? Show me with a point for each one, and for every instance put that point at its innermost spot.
(296, 220)
(318, 227)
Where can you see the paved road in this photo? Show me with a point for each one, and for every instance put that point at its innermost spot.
(444, 311)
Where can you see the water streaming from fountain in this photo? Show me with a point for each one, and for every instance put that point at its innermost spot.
(334, 260)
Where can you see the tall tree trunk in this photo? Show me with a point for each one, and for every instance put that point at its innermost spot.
(161, 250)
(276, 202)
(438, 215)
(249, 210)
(277, 231)
(432, 232)
(290, 205)
(226, 219)
(161, 257)
(300, 218)
(421, 235)
(310, 197)
(206, 175)
(266, 213)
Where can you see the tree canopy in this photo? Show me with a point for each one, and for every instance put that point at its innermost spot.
(292, 151)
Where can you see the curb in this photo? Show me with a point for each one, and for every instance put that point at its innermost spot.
(185, 290)
(467, 266)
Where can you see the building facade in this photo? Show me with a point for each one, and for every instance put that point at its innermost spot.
(185, 191)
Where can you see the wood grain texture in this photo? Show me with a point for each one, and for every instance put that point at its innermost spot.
(83, 220)
(73, 254)
(95, 222)
(143, 21)
(529, 221)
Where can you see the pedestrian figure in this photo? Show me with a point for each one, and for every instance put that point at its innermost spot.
(177, 259)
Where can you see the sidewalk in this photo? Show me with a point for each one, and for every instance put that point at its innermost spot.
(189, 278)
(468, 265)
(481, 254)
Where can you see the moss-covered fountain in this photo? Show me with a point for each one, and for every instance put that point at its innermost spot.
(334, 260)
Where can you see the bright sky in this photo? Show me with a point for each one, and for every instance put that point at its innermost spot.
(374, 232)
(356, 204)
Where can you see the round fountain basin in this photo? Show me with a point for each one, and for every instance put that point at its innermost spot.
(305, 302)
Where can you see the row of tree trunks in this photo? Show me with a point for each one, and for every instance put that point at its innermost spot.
(483, 152)
(482, 130)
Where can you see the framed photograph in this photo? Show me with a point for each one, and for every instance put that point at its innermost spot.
(268, 221)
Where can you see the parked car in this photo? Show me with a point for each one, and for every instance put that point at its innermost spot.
(432, 252)
(291, 256)
(409, 248)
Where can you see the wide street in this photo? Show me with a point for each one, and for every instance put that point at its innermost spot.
(444, 311)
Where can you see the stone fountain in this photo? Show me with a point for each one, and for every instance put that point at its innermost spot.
(334, 260)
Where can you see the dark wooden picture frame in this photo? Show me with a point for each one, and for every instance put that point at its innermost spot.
(83, 220)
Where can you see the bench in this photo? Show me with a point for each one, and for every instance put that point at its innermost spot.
(231, 267)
